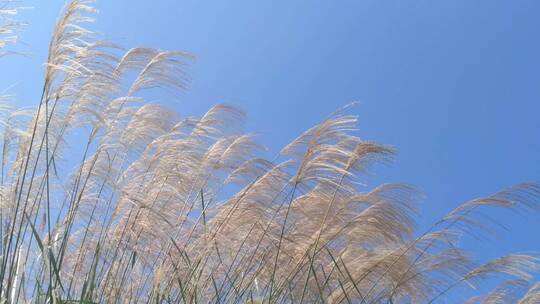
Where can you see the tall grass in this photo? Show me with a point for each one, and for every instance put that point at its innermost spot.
(147, 216)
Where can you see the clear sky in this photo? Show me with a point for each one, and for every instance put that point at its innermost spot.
(454, 85)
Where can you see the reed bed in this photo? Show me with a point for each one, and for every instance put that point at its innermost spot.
(160, 209)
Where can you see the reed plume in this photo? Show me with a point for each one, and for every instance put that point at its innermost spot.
(165, 209)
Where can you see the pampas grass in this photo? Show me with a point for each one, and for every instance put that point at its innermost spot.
(147, 216)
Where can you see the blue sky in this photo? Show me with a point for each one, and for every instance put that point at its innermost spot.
(453, 85)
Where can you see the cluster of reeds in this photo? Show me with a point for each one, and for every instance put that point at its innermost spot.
(147, 214)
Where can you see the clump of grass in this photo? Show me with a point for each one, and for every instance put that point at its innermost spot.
(145, 217)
